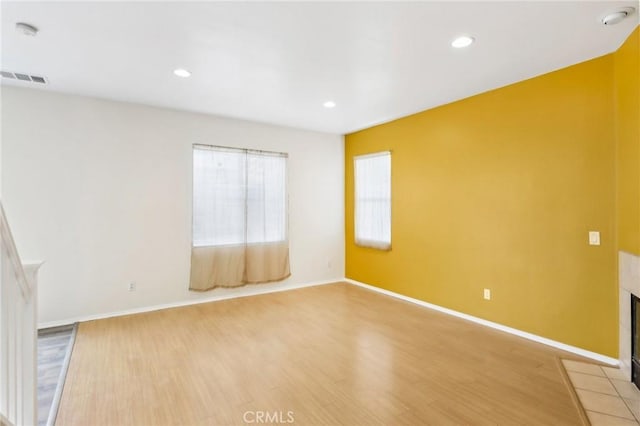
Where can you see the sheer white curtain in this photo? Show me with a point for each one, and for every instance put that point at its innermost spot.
(219, 178)
(239, 217)
(373, 200)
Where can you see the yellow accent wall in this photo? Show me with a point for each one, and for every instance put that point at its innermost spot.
(499, 191)
(627, 115)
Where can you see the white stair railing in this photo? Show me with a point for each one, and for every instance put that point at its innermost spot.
(18, 333)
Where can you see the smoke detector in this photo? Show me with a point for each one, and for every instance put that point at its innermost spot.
(617, 16)
(26, 29)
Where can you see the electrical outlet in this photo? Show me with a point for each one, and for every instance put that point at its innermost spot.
(487, 294)
(132, 286)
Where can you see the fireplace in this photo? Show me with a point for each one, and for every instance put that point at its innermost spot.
(629, 322)
(635, 340)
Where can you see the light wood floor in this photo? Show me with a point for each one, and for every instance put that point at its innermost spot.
(333, 354)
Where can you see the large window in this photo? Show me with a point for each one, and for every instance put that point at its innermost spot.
(373, 200)
(239, 196)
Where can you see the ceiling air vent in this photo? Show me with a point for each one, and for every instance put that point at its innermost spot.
(23, 77)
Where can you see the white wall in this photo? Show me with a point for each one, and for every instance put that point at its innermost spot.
(101, 191)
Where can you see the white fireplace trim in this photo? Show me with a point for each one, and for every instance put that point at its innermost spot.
(629, 282)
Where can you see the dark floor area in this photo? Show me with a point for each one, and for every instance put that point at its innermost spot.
(54, 350)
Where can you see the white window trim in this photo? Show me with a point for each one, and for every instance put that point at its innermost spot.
(221, 148)
(375, 244)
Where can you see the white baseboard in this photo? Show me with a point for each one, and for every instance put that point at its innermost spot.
(578, 351)
(253, 290)
(261, 289)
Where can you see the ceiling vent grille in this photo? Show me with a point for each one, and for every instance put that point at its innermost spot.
(23, 77)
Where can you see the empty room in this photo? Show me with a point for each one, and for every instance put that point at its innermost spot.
(320, 213)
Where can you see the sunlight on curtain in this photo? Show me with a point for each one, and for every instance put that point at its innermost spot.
(239, 218)
(373, 200)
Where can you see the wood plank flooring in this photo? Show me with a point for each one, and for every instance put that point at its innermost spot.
(332, 354)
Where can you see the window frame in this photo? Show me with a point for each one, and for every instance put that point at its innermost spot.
(369, 243)
(246, 152)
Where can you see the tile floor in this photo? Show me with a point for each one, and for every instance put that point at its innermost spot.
(53, 347)
(605, 393)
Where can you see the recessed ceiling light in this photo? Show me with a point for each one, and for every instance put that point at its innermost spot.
(462, 41)
(617, 16)
(180, 72)
(329, 104)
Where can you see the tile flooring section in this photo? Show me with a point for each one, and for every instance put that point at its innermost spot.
(607, 396)
(54, 346)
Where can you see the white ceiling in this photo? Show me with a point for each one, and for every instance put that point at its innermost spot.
(278, 62)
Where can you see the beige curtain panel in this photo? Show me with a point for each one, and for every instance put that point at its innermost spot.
(213, 267)
(239, 218)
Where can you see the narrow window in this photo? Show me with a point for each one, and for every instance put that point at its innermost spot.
(373, 200)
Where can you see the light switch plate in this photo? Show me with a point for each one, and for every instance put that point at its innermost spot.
(594, 238)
